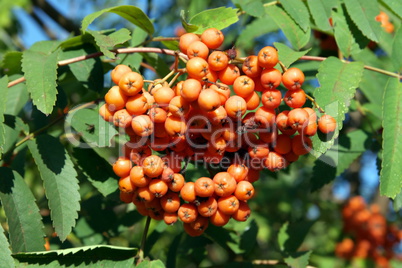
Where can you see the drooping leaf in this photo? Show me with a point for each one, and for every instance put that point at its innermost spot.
(298, 259)
(396, 55)
(218, 18)
(337, 159)
(255, 29)
(344, 38)
(363, 14)
(12, 62)
(338, 83)
(296, 36)
(190, 28)
(60, 181)
(395, 6)
(24, 221)
(98, 171)
(3, 101)
(131, 13)
(151, 264)
(320, 14)
(253, 8)
(17, 97)
(88, 256)
(391, 168)
(298, 11)
(106, 42)
(95, 131)
(88, 72)
(39, 65)
(5, 252)
(287, 55)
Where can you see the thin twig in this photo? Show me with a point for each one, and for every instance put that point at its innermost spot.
(315, 103)
(143, 239)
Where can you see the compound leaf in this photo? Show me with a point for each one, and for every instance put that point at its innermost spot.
(338, 83)
(39, 65)
(131, 13)
(391, 167)
(363, 14)
(24, 221)
(218, 18)
(60, 181)
(298, 11)
(296, 36)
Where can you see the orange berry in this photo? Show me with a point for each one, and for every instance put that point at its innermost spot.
(326, 124)
(213, 38)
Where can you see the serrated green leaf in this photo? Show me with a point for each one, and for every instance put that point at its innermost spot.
(138, 36)
(89, 256)
(95, 131)
(287, 55)
(106, 42)
(12, 63)
(320, 14)
(298, 11)
(88, 72)
(363, 14)
(77, 41)
(24, 221)
(296, 36)
(391, 168)
(60, 182)
(17, 97)
(40, 70)
(131, 13)
(98, 171)
(253, 8)
(256, 28)
(218, 18)
(190, 28)
(338, 83)
(395, 6)
(344, 38)
(298, 259)
(131, 59)
(151, 264)
(337, 159)
(5, 252)
(3, 101)
(396, 55)
(15, 128)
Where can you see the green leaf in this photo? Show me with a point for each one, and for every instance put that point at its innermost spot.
(17, 97)
(98, 171)
(12, 62)
(95, 131)
(88, 256)
(396, 55)
(151, 264)
(253, 8)
(298, 11)
(256, 28)
(298, 259)
(287, 55)
(40, 69)
(337, 159)
(105, 42)
(131, 13)
(292, 235)
(3, 100)
(397, 204)
(24, 221)
(338, 83)
(296, 36)
(157, 62)
(218, 18)
(395, 6)
(60, 182)
(320, 14)
(88, 72)
(5, 252)
(344, 38)
(391, 168)
(363, 14)
(190, 28)
(249, 237)
(14, 127)
(76, 41)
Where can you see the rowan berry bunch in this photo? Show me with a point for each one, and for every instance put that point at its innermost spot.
(372, 236)
(225, 111)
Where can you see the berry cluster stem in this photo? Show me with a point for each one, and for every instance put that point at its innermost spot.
(140, 253)
(315, 103)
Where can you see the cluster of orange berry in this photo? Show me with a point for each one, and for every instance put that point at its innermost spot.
(374, 238)
(226, 112)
